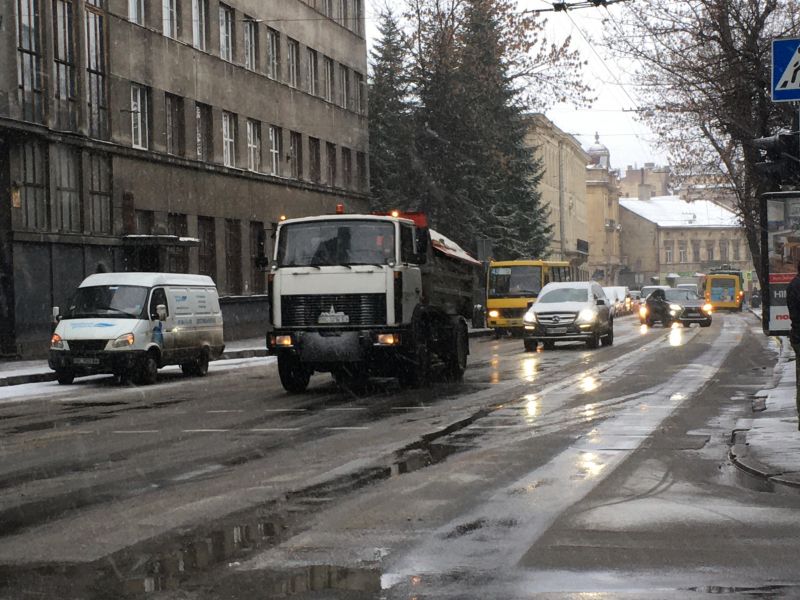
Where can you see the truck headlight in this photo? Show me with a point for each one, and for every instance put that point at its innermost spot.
(284, 340)
(587, 315)
(124, 341)
(388, 339)
(494, 314)
(56, 343)
(530, 317)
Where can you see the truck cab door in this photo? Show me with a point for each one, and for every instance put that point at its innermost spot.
(410, 273)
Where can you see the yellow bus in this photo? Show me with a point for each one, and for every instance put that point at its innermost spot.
(513, 285)
(724, 289)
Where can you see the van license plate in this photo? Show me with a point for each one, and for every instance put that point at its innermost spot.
(86, 361)
(556, 330)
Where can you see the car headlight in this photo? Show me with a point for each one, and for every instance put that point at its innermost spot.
(587, 315)
(676, 307)
(530, 317)
(643, 311)
(494, 314)
(56, 343)
(124, 341)
(708, 308)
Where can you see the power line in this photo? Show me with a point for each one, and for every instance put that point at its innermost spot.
(567, 6)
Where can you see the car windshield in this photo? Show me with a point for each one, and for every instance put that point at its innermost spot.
(564, 294)
(646, 291)
(677, 294)
(514, 281)
(330, 243)
(108, 302)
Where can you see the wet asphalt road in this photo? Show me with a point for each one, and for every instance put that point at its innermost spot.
(547, 474)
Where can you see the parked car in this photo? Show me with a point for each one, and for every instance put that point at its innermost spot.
(676, 305)
(569, 311)
(131, 324)
(616, 300)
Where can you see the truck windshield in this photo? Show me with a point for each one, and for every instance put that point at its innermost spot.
(328, 243)
(505, 282)
(108, 302)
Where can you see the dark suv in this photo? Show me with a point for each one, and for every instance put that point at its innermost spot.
(569, 311)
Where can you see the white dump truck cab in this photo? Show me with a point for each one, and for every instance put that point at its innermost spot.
(359, 295)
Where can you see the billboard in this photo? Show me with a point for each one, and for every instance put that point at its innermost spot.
(780, 254)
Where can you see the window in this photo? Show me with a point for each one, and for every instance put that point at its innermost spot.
(343, 12)
(360, 88)
(696, 251)
(136, 11)
(330, 155)
(723, 250)
(361, 170)
(67, 199)
(29, 67)
(253, 145)
(344, 84)
(328, 84)
(174, 115)
(358, 17)
(226, 32)
(100, 193)
(233, 255)
(200, 24)
(250, 44)
(169, 18)
(328, 8)
(406, 244)
(292, 61)
(275, 135)
(710, 250)
(314, 162)
(296, 154)
(96, 70)
(258, 250)
(206, 232)
(273, 54)
(668, 245)
(737, 253)
(145, 222)
(139, 117)
(205, 132)
(312, 75)
(347, 168)
(228, 139)
(158, 298)
(32, 175)
(683, 252)
(66, 93)
(177, 256)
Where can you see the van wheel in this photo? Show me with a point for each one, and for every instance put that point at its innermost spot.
(148, 370)
(294, 376)
(198, 367)
(65, 376)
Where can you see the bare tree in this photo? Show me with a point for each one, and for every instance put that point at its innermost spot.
(703, 80)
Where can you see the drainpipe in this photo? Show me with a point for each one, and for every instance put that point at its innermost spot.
(561, 215)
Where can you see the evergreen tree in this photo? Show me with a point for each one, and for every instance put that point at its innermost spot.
(390, 120)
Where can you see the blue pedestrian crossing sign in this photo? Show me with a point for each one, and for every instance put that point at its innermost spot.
(785, 70)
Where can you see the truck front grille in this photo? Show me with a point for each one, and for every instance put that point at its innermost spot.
(305, 310)
(87, 346)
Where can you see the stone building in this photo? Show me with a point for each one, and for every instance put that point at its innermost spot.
(562, 188)
(666, 236)
(647, 181)
(169, 135)
(602, 200)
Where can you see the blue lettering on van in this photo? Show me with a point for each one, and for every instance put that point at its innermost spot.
(90, 325)
(181, 298)
(206, 321)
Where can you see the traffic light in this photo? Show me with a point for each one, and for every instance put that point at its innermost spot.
(781, 154)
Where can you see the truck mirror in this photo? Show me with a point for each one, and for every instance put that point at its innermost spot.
(56, 314)
(161, 312)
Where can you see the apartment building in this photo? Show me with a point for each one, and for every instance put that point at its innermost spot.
(169, 135)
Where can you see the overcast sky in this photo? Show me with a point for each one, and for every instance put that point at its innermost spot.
(627, 140)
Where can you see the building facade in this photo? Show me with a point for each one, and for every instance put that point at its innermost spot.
(667, 237)
(169, 135)
(649, 179)
(602, 199)
(562, 188)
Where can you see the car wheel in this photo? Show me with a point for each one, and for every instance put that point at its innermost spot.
(649, 322)
(530, 345)
(608, 340)
(148, 370)
(549, 345)
(594, 341)
(65, 376)
(706, 323)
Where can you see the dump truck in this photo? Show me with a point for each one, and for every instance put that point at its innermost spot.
(360, 295)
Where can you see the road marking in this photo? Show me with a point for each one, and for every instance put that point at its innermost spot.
(344, 408)
(274, 429)
(122, 431)
(496, 426)
(347, 428)
(279, 410)
(205, 430)
(410, 407)
(215, 412)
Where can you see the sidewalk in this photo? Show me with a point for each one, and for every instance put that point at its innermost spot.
(767, 446)
(18, 372)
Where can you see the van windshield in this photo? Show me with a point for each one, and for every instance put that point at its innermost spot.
(108, 302)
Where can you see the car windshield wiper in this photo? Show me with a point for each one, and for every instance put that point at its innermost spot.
(117, 310)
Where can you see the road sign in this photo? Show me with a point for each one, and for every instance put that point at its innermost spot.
(785, 70)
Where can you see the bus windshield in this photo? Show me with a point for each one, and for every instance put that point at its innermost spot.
(516, 281)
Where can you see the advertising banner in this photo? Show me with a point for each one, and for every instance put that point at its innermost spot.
(780, 251)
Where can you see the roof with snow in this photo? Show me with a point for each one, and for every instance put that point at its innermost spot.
(672, 211)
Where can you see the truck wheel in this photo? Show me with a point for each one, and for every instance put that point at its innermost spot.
(148, 370)
(65, 376)
(530, 345)
(294, 376)
(417, 370)
(456, 362)
(351, 378)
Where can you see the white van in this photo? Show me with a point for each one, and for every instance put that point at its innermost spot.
(130, 324)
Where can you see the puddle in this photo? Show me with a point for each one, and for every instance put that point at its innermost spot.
(768, 591)
(44, 425)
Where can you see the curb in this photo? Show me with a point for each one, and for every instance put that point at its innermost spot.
(772, 479)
